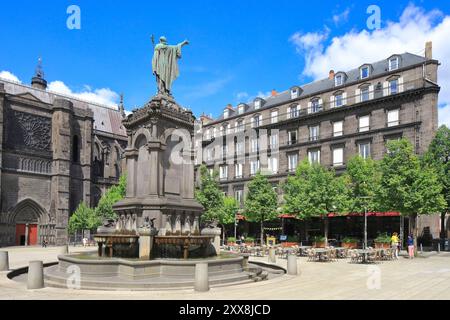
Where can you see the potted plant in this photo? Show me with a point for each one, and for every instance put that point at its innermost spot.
(290, 241)
(319, 242)
(231, 241)
(383, 241)
(250, 241)
(350, 243)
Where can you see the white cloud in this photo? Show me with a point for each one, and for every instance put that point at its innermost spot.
(241, 96)
(409, 34)
(444, 115)
(9, 76)
(341, 17)
(104, 96)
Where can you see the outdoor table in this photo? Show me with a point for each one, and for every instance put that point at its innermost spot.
(364, 253)
(302, 249)
(321, 252)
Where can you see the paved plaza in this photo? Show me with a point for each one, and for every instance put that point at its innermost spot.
(426, 277)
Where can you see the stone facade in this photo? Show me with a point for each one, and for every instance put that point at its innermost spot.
(398, 98)
(56, 151)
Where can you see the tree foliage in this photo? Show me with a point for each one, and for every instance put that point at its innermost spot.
(364, 176)
(104, 210)
(84, 218)
(209, 195)
(261, 203)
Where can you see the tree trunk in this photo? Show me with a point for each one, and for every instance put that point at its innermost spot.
(223, 234)
(413, 230)
(443, 227)
(326, 230)
(262, 232)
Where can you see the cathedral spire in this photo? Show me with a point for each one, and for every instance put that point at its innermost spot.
(38, 80)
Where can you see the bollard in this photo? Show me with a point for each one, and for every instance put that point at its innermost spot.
(292, 265)
(421, 248)
(64, 249)
(272, 256)
(201, 277)
(4, 261)
(439, 248)
(35, 275)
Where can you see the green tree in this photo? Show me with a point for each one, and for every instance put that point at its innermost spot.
(261, 203)
(209, 195)
(364, 180)
(408, 187)
(84, 218)
(315, 191)
(228, 213)
(438, 157)
(104, 210)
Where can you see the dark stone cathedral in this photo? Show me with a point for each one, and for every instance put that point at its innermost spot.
(56, 151)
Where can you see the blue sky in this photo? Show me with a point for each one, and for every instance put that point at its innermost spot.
(238, 49)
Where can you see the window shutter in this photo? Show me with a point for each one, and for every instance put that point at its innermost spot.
(309, 106)
(385, 88)
(332, 102)
(321, 103)
(400, 84)
(344, 98)
(371, 92)
(288, 113)
(357, 95)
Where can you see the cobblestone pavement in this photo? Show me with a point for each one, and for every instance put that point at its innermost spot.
(422, 278)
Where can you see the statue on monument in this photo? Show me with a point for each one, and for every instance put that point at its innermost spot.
(165, 65)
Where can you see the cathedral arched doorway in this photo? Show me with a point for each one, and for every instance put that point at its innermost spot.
(27, 217)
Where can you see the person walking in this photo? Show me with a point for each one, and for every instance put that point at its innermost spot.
(394, 244)
(411, 246)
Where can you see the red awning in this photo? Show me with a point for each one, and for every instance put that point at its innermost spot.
(369, 214)
(287, 216)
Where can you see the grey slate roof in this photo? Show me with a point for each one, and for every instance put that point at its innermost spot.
(106, 119)
(406, 59)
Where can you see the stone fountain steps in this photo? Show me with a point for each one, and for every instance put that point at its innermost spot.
(56, 278)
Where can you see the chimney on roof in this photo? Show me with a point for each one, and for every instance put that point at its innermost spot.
(230, 106)
(274, 93)
(429, 50)
(331, 75)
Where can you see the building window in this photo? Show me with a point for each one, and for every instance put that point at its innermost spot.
(393, 86)
(224, 151)
(338, 157)
(274, 116)
(314, 133)
(294, 111)
(273, 165)
(314, 156)
(241, 109)
(209, 154)
(211, 172)
(292, 137)
(254, 145)
(223, 172)
(273, 142)
(338, 128)
(238, 170)
(365, 72)
(208, 134)
(339, 100)
(294, 93)
(315, 106)
(226, 113)
(393, 118)
(257, 104)
(292, 162)
(239, 196)
(364, 94)
(76, 149)
(254, 167)
(240, 147)
(364, 150)
(256, 121)
(393, 64)
(364, 124)
(338, 80)
(240, 126)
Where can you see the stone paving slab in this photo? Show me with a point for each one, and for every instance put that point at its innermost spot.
(424, 278)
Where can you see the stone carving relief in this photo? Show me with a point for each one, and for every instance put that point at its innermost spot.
(31, 131)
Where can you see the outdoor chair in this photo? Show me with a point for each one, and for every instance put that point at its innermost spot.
(372, 256)
(311, 254)
(354, 256)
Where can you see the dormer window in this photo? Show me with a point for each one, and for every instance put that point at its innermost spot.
(365, 72)
(294, 93)
(257, 104)
(226, 113)
(338, 80)
(241, 109)
(393, 63)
